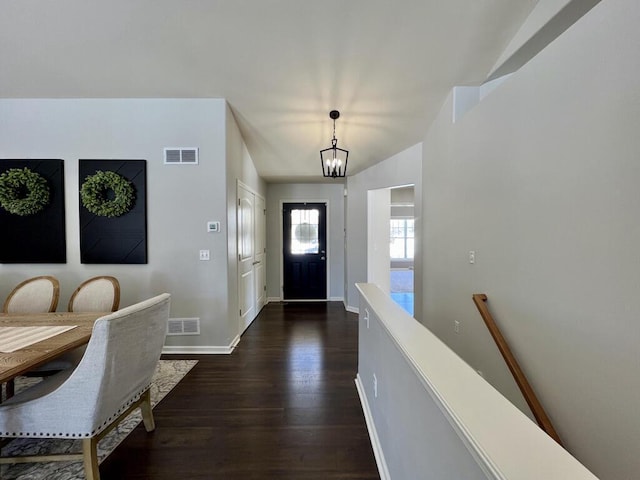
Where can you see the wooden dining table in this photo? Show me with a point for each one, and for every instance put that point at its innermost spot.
(25, 359)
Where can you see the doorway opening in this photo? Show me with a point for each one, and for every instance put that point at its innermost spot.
(391, 242)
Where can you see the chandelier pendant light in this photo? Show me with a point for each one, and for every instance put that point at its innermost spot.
(334, 159)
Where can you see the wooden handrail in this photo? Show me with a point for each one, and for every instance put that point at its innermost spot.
(540, 415)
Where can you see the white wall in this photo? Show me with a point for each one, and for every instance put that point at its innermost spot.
(239, 166)
(180, 199)
(548, 20)
(541, 180)
(431, 416)
(334, 194)
(403, 168)
(378, 254)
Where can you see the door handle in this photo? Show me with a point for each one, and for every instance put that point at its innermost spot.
(321, 258)
(255, 263)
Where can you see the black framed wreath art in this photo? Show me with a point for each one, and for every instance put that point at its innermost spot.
(23, 192)
(32, 211)
(113, 211)
(107, 194)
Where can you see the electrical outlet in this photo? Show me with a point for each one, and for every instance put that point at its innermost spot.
(456, 326)
(472, 256)
(205, 255)
(366, 316)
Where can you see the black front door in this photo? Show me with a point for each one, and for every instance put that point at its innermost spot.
(305, 246)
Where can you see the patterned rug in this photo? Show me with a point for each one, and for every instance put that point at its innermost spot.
(167, 376)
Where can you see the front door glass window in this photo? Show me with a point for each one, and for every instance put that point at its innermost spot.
(304, 231)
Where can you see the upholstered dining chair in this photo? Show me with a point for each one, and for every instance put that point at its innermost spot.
(34, 295)
(98, 294)
(112, 380)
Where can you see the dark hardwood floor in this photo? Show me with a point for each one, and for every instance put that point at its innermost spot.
(282, 406)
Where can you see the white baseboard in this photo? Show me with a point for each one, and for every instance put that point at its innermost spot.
(330, 299)
(205, 350)
(352, 309)
(383, 471)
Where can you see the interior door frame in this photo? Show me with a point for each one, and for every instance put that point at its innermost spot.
(281, 246)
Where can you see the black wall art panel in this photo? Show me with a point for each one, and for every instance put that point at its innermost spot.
(32, 211)
(113, 211)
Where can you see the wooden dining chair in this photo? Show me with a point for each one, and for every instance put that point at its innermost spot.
(34, 295)
(97, 294)
(112, 380)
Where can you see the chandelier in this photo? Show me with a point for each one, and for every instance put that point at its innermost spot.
(334, 159)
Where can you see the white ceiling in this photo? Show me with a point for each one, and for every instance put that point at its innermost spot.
(281, 64)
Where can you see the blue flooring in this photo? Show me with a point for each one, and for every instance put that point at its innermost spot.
(402, 281)
(405, 300)
(402, 288)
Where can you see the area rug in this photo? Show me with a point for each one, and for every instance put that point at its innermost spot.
(401, 281)
(168, 374)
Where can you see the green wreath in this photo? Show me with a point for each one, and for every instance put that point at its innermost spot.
(107, 194)
(23, 192)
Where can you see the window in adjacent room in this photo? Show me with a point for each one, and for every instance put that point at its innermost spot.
(402, 237)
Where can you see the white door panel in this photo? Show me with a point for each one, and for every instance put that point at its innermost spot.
(251, 255)
(260, 252)
(247, 299)
(246, 292)
(261, 291)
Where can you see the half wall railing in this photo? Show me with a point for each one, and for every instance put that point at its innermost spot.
(430, 415)
(480, 299)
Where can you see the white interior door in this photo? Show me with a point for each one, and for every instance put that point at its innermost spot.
(252, 239)
(260, 240)
(246, 254)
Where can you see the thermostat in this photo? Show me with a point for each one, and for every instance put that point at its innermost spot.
(213, 227)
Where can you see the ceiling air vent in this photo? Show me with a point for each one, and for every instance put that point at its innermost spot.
(183, 326)
(181, 156)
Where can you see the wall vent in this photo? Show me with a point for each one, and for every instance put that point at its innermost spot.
(181, 156)
(183, 326)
